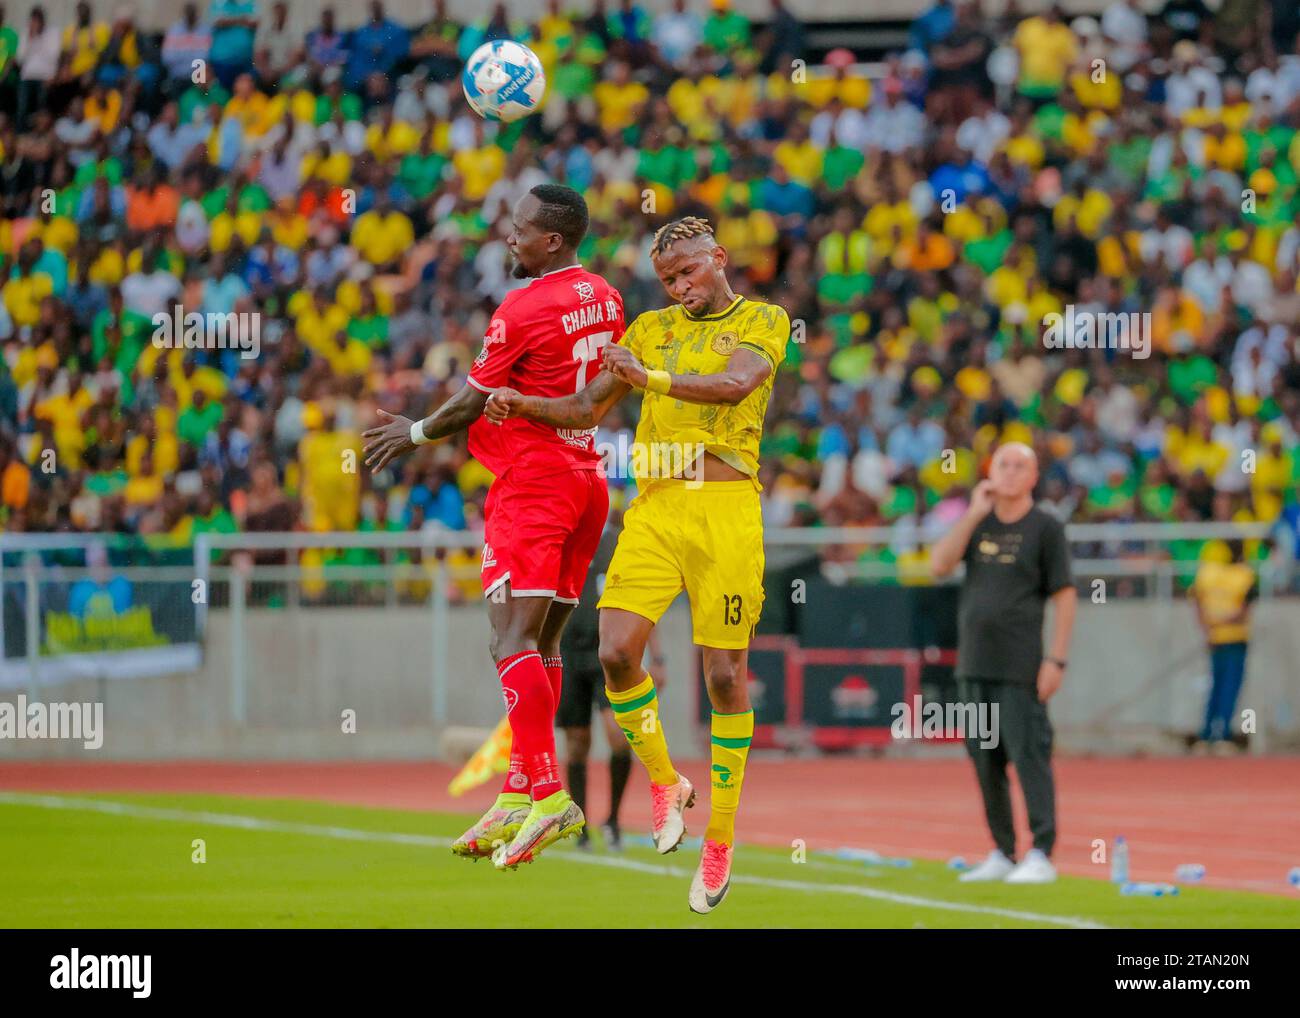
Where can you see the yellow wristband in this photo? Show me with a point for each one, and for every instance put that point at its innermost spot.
(658, 381)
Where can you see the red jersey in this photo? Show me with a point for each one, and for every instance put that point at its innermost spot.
(546, 339)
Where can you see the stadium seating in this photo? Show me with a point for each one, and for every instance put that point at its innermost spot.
(922, 220)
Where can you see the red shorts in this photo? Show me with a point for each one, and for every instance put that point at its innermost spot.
(541, 533)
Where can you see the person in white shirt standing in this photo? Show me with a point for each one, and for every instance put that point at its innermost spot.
(187, 42)
(38, 63)
(677, 33)
(1124, 25)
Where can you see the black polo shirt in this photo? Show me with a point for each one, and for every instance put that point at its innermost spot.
(1011, 570)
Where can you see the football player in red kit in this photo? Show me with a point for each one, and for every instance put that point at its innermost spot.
(546, 510)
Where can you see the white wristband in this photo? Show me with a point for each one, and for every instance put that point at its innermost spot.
(417, 434)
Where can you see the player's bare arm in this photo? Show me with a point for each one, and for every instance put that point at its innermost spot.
(392, 439)
(585, 409)
(746, 370)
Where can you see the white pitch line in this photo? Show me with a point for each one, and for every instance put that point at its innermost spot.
(853, 889)
(139, 812)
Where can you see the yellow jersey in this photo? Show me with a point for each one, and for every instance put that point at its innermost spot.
(673, 340)
(1223, 589)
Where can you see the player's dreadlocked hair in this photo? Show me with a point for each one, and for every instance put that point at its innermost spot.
(563, 211)
(679, 229)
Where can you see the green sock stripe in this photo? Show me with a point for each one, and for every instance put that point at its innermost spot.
(726, 743)
(738, 714)
(631, 705)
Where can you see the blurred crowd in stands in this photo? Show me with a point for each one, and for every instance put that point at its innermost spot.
(922, 219)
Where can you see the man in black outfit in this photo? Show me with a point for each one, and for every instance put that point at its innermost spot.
(584, 687)
(1017, 558)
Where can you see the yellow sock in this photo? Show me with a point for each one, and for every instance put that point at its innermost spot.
(637, 712)
(731, 736)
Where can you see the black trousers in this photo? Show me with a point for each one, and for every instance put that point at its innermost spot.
(1024, 740)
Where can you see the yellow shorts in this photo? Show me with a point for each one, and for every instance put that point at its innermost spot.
(706, 539)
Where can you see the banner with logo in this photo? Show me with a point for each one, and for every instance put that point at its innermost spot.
(852, 696)
(101, 620)
(835, 698)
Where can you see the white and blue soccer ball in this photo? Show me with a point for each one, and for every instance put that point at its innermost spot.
(503, 80)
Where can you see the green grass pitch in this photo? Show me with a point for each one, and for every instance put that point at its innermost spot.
(127, 861)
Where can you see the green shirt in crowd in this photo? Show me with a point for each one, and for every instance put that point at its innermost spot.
(726, 31)
(8, 47)
(1189, 377)
(195, 102)
(193, 425)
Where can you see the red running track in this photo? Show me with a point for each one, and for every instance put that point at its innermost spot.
(1239, 817)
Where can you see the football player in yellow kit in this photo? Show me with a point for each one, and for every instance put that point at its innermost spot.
(705, 366)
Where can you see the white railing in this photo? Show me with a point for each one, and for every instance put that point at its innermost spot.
(1129, 550)
(1131, 561)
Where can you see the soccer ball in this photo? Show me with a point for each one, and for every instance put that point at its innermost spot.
(503, 80)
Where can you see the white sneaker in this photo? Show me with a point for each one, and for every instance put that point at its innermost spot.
(712, 879)
(995, 867)
(667, 802)
(1034, 868)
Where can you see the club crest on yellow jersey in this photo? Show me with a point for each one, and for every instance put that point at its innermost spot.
(724, 343)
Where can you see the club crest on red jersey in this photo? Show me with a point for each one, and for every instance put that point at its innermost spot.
(496, 334)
